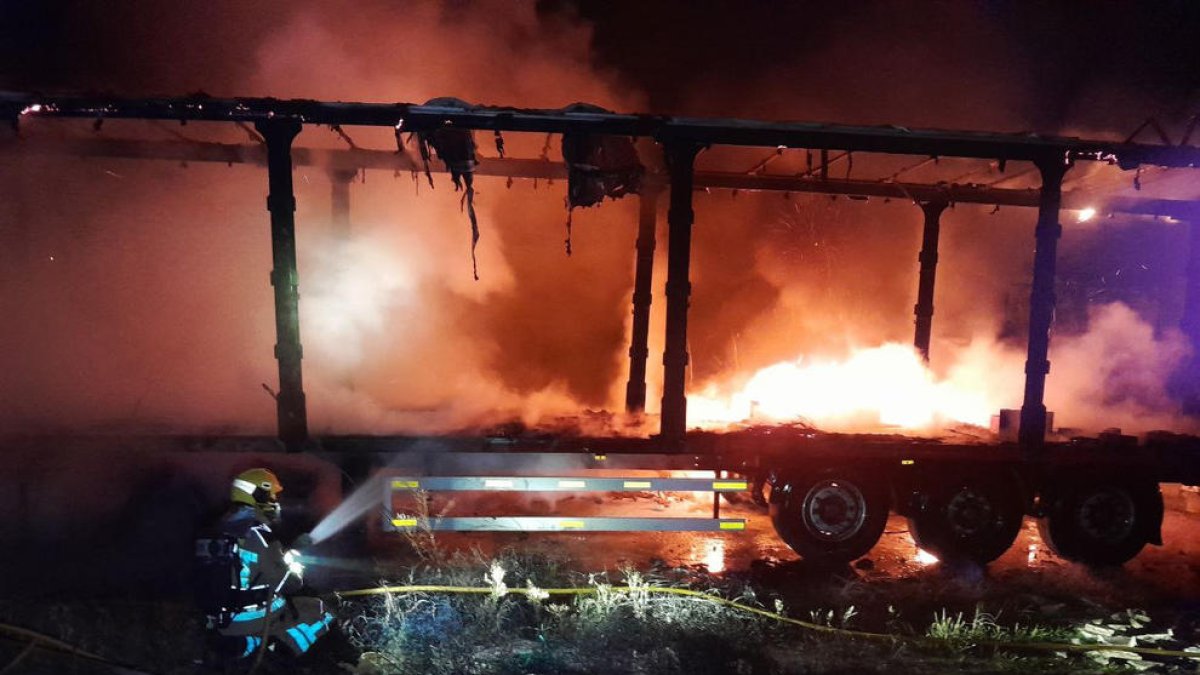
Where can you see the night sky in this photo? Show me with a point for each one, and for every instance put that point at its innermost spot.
(1098, 64)
(1147, 47)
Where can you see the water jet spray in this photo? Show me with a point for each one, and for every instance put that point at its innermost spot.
(351, 509)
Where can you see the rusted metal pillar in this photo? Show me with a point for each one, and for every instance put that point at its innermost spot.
(1032, 432)
(680, 157)
(281, 202)
(928, 259)
(643, 278)
(339, 199)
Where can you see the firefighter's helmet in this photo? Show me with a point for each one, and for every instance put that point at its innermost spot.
(259, 488)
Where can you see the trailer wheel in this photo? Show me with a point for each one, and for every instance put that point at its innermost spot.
(1102, 522)
(969, 519)
(832, 516)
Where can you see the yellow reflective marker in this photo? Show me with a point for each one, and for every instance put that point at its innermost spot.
(637, 484)
(733, 525)
(496, 483)
(405, 484)
(730, 485)
(568, 524)
(599, 458)
(572, 483)
(907, 462)
(404, 522)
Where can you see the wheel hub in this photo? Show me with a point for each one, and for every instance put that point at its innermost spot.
(834, 510)
(969, 512)
(1107, 515)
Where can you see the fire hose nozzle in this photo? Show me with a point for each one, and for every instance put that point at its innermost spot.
(303, 541)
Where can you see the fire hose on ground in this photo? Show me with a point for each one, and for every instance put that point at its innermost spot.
(39, 640)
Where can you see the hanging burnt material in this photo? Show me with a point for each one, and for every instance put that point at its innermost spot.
(598, 166)
(456, 148)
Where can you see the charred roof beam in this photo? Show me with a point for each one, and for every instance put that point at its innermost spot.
(409, 117)
(387, 160)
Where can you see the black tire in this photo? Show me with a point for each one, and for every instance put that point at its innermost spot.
(971, 518)
(1102, 522)
(831, 516)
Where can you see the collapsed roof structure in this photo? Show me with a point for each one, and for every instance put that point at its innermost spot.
(933, 169)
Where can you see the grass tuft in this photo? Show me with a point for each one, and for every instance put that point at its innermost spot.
(985, 627)
(608, 631)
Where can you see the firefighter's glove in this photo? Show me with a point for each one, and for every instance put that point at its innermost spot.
(295, 567)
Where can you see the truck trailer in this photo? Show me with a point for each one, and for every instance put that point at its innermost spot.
(1096, 498)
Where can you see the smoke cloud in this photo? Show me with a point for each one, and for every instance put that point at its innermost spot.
(138, 296)
(143, 297)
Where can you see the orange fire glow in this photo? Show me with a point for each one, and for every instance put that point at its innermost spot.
(925, 558)
(881, 386)
(711, 552)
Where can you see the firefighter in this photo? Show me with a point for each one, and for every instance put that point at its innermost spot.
(247, 582)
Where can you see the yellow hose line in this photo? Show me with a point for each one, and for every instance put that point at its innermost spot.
(885, 637)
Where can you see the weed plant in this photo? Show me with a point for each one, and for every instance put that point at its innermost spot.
(614, 631)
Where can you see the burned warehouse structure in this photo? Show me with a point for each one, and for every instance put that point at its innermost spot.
(1096, 497)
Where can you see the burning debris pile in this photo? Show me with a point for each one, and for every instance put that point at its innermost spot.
(1114, 375)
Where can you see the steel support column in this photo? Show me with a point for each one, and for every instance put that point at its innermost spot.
(281, 202)
(339, 199)
(680, 159)
(928, 259)
(1041, 301)
(643, 278)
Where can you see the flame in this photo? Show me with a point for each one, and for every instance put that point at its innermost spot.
(887, 385)
(924, 557)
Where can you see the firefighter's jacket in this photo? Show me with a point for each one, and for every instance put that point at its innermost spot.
(249, 584)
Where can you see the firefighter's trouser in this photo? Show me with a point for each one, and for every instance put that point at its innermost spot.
(296, 623)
